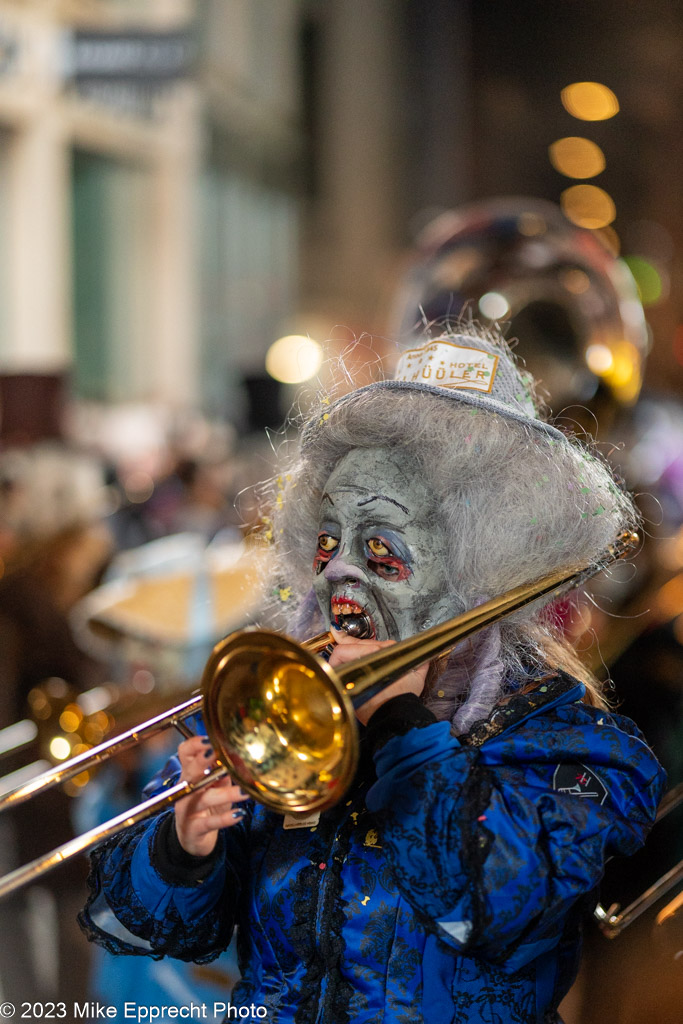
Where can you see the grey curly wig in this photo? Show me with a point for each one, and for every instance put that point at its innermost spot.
(512, 503)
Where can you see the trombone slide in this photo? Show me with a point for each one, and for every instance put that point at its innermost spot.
(124, 741)
(80, 844)
(613, 920)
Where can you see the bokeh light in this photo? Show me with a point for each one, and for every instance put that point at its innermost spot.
(588, 206)
(670, 597)
(60, 748)
(575, 280)
(70, 718)
(599, 359)
(493, 305)
(618, 364)
(576, 157)
(647, 277)
(294, 358)
(589, 101)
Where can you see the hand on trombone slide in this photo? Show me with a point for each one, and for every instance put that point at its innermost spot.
(199, 817)
(348, 648)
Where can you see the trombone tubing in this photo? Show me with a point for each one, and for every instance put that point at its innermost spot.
(80, 844)
(613, 921)
(62, 773)
(363, 678)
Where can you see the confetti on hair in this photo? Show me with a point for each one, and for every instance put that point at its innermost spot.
(267, 529)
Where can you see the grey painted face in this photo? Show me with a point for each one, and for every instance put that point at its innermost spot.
(379, 551)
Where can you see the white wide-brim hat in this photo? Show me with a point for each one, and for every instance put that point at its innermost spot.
(465, 368)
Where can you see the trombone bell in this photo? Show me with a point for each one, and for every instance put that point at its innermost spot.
(284, 726)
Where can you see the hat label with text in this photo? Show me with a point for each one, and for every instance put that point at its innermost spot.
(446, 365)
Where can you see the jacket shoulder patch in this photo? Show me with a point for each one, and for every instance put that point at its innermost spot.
(577, 780)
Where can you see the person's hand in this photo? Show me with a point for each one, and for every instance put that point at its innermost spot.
(349, 649)
(199, 817)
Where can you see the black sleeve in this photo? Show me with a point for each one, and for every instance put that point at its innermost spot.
(175, 865)
(396, 717)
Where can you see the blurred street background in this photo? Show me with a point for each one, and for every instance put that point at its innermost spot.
(204, 205)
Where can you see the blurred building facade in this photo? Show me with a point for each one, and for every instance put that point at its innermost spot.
(183, 180)
(146, 200)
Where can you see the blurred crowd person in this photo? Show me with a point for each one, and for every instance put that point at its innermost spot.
(53, 549)
(195, 496)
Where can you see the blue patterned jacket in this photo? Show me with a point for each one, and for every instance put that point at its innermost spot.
(445, 888)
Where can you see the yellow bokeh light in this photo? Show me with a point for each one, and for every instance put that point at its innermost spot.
(70, 718)
(576, 157)
(294, 358)
(92, 733)
(599, 359)
(621, 373)
(589, 101)
(588, 206)
(671, 551)
(619, 366)
(60, 748)
(670, 597)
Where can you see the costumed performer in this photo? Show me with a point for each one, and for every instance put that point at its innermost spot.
(450, 881)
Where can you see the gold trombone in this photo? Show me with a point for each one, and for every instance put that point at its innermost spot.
(280, 719)
(613, 920)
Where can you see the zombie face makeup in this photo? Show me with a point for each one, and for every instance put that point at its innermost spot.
(379, 553)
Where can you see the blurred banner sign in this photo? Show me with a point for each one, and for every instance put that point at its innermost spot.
(9, 48)
(128, 70)
(130, 56)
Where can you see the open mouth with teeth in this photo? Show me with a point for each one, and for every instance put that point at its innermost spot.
(352, 618)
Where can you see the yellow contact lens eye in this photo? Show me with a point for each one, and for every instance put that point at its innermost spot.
(327, 543)
(378, 547)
